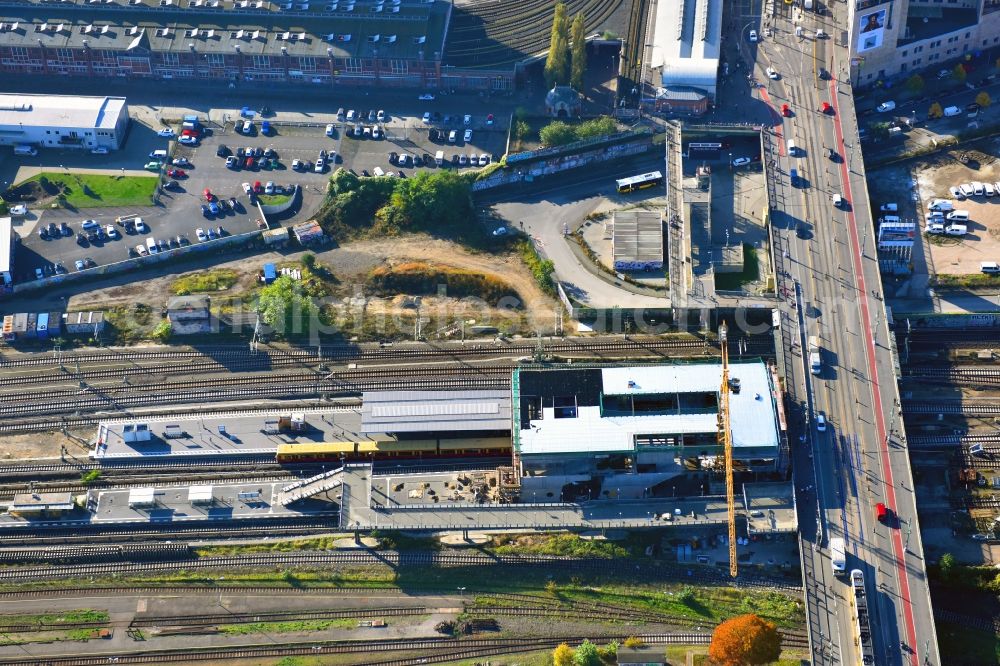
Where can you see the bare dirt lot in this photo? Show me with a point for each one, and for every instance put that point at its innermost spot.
(351, 264)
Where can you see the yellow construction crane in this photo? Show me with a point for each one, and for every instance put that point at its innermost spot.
(727, 443)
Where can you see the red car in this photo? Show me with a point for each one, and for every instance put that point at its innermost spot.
(176, 173)
(208, 195)
(250, 163)
(881, 512)
(786, 111)
(257, 187)
(190, 132)
(826, 108)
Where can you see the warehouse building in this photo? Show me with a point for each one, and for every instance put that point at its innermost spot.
(642, 426)
(386, 43)
(61, 121)
(687, 42)
(637, 240)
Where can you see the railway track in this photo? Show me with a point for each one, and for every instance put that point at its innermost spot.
(431, 650)
(321, 559)
(958, 407)
(236, 353)
(635, 42)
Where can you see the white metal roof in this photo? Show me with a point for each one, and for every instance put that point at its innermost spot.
(687, 42)
(6, 249)
(753, 419)
(429, 411)
(200, 494)
(141, 495)
(59, 111)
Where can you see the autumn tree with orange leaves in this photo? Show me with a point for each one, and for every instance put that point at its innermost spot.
(745, 641)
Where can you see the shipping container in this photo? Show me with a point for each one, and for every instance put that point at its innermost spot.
(30, 331)
(8, 327)
(20, 324)
(269, 273)
(42, 327)
(55, 324)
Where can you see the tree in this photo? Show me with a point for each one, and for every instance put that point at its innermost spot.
(983, 99)
(880, 131)
(915, 83)
(562, 655)
(935, 111)
(602, 126)
(958, 73)
(309, 260)
(578, 59)
(586, 655)
(283, 306)
(556, 61)
(946, 565)
(430, 201)
(745, 640)
(521, 129)
(556, 133)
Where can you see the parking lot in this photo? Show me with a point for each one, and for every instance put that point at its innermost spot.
(180, 212)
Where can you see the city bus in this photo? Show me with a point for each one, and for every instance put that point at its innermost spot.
(640, 182)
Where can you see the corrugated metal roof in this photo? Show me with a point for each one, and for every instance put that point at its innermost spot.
(753, 419)
(430, 411)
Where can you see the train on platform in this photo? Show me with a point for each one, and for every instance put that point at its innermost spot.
(368, 450)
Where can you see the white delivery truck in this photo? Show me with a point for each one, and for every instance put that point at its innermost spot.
(439, 158)
(838, 556)
(815, 362)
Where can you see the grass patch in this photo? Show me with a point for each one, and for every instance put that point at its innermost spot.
(421, 278)
(973, 281)
(64, 617)
(216, 279)
(286, 627)
(274, 199)
(556, 544)
(750, 272)
(92, 190)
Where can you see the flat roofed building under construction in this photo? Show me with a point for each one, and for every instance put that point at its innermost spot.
(665, 416)
(637, 240)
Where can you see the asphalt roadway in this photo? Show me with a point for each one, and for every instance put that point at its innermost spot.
(857, 461)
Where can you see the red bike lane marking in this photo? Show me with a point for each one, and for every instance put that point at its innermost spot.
(777, 117)
(897, 539)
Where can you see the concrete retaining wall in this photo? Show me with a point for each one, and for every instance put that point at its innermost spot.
(137, 262)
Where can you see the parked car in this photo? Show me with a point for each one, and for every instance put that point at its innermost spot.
(427, 116)
(468, 136)
(200, 233)
(772, 73)
(786, 111)
(484, 159)
(208, 194)
(426, 97)
(885, 107)
(100, 150)
(181, 162)
(111, 232)
(188, 140)
(166, 132)
(753, 36)
(152, 166)
(741, 161)
(296, 165)
(171, 185)
(176, 173)
(223, 151)
(247, 188)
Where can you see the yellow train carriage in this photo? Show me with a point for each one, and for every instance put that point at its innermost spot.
(392, 449)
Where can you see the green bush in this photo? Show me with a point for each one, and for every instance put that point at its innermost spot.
(541, 269)
(556, 133)
(163, 331)
(559, 133)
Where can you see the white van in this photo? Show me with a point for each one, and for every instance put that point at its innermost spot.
(792, 150)
(151, 245)
(891, 219)
(838, 201)
(158, 155)
(439, 158)
(990, 267)
(941, 204)
(889, 208)
(959, 215)
(24, 149)
(952, 111)
(936, 228)
(378, 171)
(452, 136)
(956, 230)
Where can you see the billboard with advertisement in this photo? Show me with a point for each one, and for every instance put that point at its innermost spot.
(871, 30)
(896, 234)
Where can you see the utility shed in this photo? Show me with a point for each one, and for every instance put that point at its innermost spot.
(637, 240)
(40, 504)
(641, 656)
(139, 498)
(435, 411)
(190, 315)
(200, 494)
